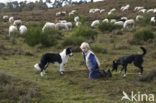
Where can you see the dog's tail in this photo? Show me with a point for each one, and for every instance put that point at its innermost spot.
(144, 51)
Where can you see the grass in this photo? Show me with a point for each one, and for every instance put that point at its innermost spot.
(74, 86)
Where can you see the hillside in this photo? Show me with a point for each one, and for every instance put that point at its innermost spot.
(20, 82)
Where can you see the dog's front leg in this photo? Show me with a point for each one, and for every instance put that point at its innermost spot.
(61, 69)
(125, 68)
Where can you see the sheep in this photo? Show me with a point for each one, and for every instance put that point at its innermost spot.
(139, 17)
(123, 8)
(111, 11)
(113, 21)
(62, 13)
(17, 22)
(48, 25)
(69, 25)
(62, 21)
(129, 22)
(102, 10)
(58, 13)
(76, 19)
(153, 19)
(154, 11)
(5, 18)
(138, 8)
(123, 19)
(142, 10)
(95, 23)
(150, 11)
(11, 20)
(78, 23)
(119, 23)
(23, 29)
(61, 26)
(105, 21)
(72, 12)
(12, 29)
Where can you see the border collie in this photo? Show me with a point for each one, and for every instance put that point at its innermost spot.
(55, 58)
(137, 59)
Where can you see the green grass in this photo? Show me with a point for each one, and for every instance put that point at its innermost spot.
(74, 86)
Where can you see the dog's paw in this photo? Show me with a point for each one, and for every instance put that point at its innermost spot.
(42, 74)
(140, 74)
(124, 76)
(37, 67)
(61, 73)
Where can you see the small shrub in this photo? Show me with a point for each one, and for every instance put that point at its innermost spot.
(150, 76)
(108, 26)
(49, 37)
(98, 48)
(85, 32)
(143, 34)
(83, 19)
(112, 16)
(32, 36)
(73, 41)
(144, 20)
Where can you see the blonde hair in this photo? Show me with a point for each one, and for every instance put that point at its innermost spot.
(84, 44)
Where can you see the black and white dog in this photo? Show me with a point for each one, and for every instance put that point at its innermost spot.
(55, 58)
(137, 59)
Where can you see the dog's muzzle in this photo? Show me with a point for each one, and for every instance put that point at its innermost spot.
(71, 54)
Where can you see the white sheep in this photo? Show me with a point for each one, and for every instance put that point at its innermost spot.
(48, 25)
(138, 8)
(72, 12)
(17, 22)
(123, 8)
(123, 19)
(76, 19)
(5, 18)
(139, 17)
(12, 29)
(154, 11)
(128, 23)
(69, 24)
(113, 20)
(111, 11)
(61, 26)
(11, 20)
(143, 10)
(78, 23)
(105, 21)
(102, 10)
(62, 21)
(150, 11)
(95, 23)
(119, 23)
(23, 29)
(153, 19)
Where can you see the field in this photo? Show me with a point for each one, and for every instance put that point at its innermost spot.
(21, 82)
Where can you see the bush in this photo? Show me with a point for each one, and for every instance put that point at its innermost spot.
(49, 37)
(83, 19)
(143, 34)
(32, 36)
(144, 20)
(112, 16)
(108, 26)
(150, 76)
(73, 41)
(98, 48)
(85, 32)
